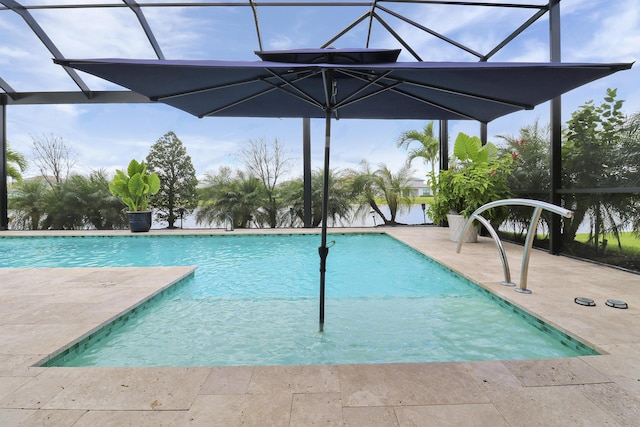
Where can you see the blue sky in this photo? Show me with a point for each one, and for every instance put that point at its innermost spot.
(107, 136)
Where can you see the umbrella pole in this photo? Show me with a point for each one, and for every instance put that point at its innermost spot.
(323, 250)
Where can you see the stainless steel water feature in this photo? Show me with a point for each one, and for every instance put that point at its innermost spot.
(538, 206)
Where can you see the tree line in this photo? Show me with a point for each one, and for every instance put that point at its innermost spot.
(253, 195)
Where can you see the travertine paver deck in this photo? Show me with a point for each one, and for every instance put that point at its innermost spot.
(42, 310)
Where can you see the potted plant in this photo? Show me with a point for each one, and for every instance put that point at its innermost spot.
(477, 176)
(134, 188)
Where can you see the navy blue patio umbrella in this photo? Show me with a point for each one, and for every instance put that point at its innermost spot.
(344, 83)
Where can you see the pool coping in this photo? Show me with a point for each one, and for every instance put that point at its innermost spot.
(591, 388)
(104, 327)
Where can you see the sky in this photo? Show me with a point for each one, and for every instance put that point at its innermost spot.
(107, 136)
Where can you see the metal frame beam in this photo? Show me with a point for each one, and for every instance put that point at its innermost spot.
(7, 88)
(135, 7)
(48, 43)
(555, 229)
(306, 171)
(53, 98)
(4, 199)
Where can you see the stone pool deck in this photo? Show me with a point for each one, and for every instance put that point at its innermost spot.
(43, 310)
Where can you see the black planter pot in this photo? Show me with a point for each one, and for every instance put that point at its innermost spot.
(139, 221)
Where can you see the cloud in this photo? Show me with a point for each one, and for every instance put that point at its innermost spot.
(188, 33)
(614, 36)
(10, 54)
(100, 32)
(75, 33)
(479, 28)
(280, 42)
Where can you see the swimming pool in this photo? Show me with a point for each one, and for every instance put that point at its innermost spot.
(253, 301)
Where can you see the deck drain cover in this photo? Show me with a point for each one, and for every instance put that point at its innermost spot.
(616, 303)
(584, 301)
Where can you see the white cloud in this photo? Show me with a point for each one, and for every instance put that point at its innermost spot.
(479, 28)
(179, 31)
(99, 32)
(10, 54)
(611, 34)
(530, 50)
(280, 42)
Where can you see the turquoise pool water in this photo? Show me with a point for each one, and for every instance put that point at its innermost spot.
(254, 301)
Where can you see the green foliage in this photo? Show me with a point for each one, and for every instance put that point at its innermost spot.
(91, 199)
(339, 206)
(428, 145)
(136, 186)
(469, 149)
(27, 203)
(227, 195)
(368, 185)
(16, 164)
(599, 151)
(597, 154)
(478, 176)
(169, 160)
(246, 200)
(530, 176)
(80, 202)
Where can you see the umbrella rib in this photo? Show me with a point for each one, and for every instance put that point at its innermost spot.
(233, 104)
(300, 93)
(352, 100)
(302, 96)
(435, 104)
(409, 95)
(392, 87)
(446, 90)
(202, 90)
(347, 100)
(471, 95)
(273, 87)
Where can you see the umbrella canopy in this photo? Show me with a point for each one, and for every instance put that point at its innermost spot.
(344, 83)
(365, 84)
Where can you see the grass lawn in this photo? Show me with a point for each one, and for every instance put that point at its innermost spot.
(423, 199)
(416, 200)
(630, 241)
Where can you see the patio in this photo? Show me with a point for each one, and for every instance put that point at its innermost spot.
(595, 390)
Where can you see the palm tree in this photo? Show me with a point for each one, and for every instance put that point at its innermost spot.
(395, 188)
(339, 205)
(225, 195)
(28, 202)
(340, 197)
(427, 149)
(16, 164)
(90, 200)
(368, 185)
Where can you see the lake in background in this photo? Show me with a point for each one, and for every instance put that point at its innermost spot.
(410, 217)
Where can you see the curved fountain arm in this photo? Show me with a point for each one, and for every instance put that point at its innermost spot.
(535, 217)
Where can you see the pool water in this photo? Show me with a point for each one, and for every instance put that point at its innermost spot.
(254, 301)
